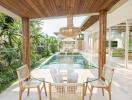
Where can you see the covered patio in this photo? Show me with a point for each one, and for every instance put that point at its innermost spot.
(96, 10)
(27, 10)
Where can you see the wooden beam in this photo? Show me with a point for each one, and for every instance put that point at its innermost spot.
(26, 41)
(89, 22)
(102, 39)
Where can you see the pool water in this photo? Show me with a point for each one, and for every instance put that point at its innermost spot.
(78, 61)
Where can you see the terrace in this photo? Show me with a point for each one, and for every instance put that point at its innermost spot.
(121, 86)
(102, 17)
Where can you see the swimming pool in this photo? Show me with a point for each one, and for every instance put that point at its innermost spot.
(78, 62)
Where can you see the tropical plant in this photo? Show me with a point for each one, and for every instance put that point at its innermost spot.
(54, 44)
(41, 46)
(10, 32)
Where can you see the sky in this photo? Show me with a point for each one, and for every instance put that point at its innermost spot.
(49, 26)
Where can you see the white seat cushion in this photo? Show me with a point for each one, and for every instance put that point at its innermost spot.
(58, 78)
(72, 77)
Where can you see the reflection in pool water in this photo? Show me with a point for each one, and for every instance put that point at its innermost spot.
(77, 61)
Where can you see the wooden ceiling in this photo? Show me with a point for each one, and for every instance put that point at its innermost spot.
(54, 8)
(51, 8)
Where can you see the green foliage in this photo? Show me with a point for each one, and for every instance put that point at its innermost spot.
(10, 33)
(119, 52)
(41, 46)
(48, 46)
(80, 36)
(53, 44)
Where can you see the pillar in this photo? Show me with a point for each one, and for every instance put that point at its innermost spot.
(102, 39)
(26, 41)
(127, 43)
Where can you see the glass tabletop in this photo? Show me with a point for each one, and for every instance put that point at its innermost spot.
(87, 81)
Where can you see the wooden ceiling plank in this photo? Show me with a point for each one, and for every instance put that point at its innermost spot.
(91, 6)
(71, 7)
(33, 6)
(67, 6)
(44, 8)
(47, 2)
(108, 4)
(76, 8)
(61, 8)
(23, 7)
(101, 2)
(29, 9)
(11, 8)
(105, 4)
(80, 6)
(53, 6)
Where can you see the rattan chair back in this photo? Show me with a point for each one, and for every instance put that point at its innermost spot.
(23, 73)
(66, 91)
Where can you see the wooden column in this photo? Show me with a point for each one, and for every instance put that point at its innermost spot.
(102, 39)
(26, 41)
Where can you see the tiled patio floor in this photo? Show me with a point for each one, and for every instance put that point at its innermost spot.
(121, 86)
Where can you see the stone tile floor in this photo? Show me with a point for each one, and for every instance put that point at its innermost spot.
(121, 85)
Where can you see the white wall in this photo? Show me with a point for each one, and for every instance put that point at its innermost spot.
(120, 15)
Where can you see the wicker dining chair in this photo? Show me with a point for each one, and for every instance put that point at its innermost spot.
(104, 82)
(26, 82)
(66, 91)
